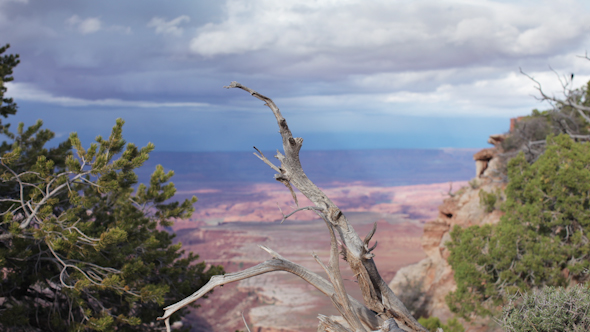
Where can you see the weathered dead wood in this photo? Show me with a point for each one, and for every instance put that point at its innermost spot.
(341, 302)
(377, 294)
(329, 325)
(381, 304)
(570, 98)
(390, 326)
(277, 263)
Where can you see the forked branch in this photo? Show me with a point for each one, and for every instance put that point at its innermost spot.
(381, 304)
(570, 98)
(377, 294)
(277, 263)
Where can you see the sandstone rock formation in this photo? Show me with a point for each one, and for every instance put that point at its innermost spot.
(482, 158)
(426, 283)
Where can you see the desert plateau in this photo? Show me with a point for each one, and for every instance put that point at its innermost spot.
(240, 207)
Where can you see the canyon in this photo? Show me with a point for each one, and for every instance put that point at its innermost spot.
(237, 212)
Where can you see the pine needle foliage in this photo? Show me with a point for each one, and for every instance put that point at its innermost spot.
(540, 241)
(80, 244)
(7, 63)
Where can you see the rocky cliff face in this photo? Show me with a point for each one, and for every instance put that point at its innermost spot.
(424, 285)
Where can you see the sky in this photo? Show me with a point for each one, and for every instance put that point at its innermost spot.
(347, 74)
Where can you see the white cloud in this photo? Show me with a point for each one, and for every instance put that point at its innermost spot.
(85, 26)
(486, 97)
(24, 91)
(171, 27)
(509, 95)
(452, 57)
(355, 34)
(94, 24)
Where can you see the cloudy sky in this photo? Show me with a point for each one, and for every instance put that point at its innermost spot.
(347, 74)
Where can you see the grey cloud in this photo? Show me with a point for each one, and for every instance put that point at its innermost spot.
(371, 59)
(85, 26)
(171, 27)
(26, 92)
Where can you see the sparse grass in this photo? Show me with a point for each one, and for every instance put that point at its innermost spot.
(460, 191)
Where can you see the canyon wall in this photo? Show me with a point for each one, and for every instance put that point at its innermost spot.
(424, 285)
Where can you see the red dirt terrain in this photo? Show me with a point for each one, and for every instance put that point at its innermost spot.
(229, 233)
(264, 202)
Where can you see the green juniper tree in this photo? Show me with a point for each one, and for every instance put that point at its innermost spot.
(80, 245)
(542, 240)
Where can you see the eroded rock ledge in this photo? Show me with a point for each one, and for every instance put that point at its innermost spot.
(433, 275)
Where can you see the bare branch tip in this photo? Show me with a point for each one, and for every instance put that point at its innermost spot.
(233, 84)
(273, 253)
(245, 323)
(167, 322)
(370, 235)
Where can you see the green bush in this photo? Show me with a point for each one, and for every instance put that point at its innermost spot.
(540, 241)
(488, 200)
(548, 310)
(433, 323)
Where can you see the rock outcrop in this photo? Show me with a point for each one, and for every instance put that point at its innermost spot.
(432, 278)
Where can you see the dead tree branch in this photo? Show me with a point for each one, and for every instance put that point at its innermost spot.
(570, 97)
(380, 301)
(306, 208)
(277, 263)
(340, 301)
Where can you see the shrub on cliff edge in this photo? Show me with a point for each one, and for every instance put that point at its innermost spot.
(540, 241)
